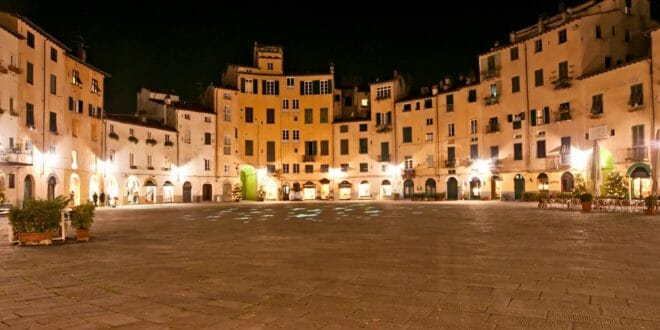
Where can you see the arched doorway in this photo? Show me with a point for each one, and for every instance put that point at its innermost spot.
(296, 194)
(325, 188)
(345, 190)
(187, 192)
(452, 189)
(429, 187)
(543, 182)
(475, 188)
(51, 187)
(640, 181)
(94, 188)
(309, 190)
(249, 183)
(74, 189)
(113, 191)
(207, 192)
(286, 190)
(385, 189)
(28, 184)
(518, 186)
(226, 192)
(495, 187)
(364, 190)
(132, 190)
(567, 182)
(408, 188)
(150, 191)
(168, 192)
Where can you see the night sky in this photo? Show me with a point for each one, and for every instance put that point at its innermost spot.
(185, 47)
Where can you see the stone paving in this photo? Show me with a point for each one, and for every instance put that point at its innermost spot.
(481, 265)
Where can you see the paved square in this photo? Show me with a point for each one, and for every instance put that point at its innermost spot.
(341, 265)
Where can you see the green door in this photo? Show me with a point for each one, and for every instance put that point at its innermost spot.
(452, 189)
(519, 186)
(249, 183)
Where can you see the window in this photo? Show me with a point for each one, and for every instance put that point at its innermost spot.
(227, 112)
(227, 168)
(638, 136)
(285, 168)
(538, 77)
(597, 104)
(562, 36)
(613, 30)
(364, 146)
(296, 168)
(269, 66)
(383, 92)
(514, 53)
(428, 103)
(285, 104)
(343, 147)
(12, 181)
(348, 101)
(324, 115)
(271, 87)
(325, 147)
(309, 116)
(429, 137)
(249, 115)
(186, 116)
(94, 88)
(450, 102)
(29, 75)
(307, 88)
(53, 122)
(325, 87)
(74, 159)
(90, 110)
(540, 149)
(450, 130)
(538, 46)
(207, 164)
(343, 128)
(563, 70)
(626, 36)
(290, 82)
(296, 104)
(494, 153)
(207, 138)
(517, 151)
(53, 54)
(407, 135)
(112, 156)
(270, 116)
(325, 168)
(636, 96)
(408, 163)
(407, 107)
(149, 161)
(167, 138)
(472, 95)
(608, 62)
(131, 159)
(29, 115)
(309, 168)
(364, 103)
(248, 86)
(270, 151)
(363, 127)
(364, 167)
(295, 135)
(285, 135)
(186, 136)
(227, 145)
(429, 121)
(75, 128)
(474, 151)
(344, 167)
(249, 148)
(30, 39)
(473, 126)
(515, 84)
(207, 119)
(599, 33)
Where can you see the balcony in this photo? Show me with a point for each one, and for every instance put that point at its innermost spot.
(14, 113)
(133, 167)
(557, 162)
(16, 156)
(490, 73)
(408, 173)
(3, 69)
(492, 99)
(495, 165)
(563, 115)
(467, 162)
(637, 154)
(492, 128)
(383, 127)
(450, 163)
(383, 158)
(562, 82)
(15, 69)
(308, 158)
(166, 169)
(151, 168)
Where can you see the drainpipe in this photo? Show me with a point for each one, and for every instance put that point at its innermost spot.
(527, 111)
(43, 100)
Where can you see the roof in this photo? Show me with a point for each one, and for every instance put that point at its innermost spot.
(588, 75)
(42, 31)
(415, 97)
(189, 106)
(14, 33)
(131, 119)
(75, 58)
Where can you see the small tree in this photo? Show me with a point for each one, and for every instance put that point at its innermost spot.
(615, 186)
(237, 192)
(580, 186)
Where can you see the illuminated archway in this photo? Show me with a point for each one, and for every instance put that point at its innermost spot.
(567, 182)
(249, 182)
(168, 192)
(543, 182)
(52, 182)
(132, 190)
(150, 190)
(345, 190)
(364, 190)
(385, 189)
(113, 191)
(325, 188)
(475, 188)
(74, 189)
(94, 187)
(495, 187)
(429, 187)
(309, 190)
(640, 180)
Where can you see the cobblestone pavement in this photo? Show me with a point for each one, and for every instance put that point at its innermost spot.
(480, 265)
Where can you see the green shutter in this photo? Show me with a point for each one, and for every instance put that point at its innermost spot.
(546, 115)
(509, 118)
(242, 85)
(270, 151)
(263, 87)
(277, 87)
(316, 87)
(302, 88)
(329, 91)
(255, 86)
(378, 115)
(532, 113)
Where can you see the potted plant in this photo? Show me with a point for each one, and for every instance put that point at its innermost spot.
(586, 199)
(151, 142)
(133, 139)
(82, 217)
(651, 202)
(113, 136)
(37, 219)
(396, 196)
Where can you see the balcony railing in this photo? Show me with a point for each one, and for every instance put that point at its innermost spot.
(562, 82)
(492, 128)
(408, 173)
(450, 163)
(133, 167)
(308, 158)
(13, 112)
(563, 115)
(15, 156)
(558, 161)
(495, 165)
(3, 69)
(491, 99)
(383, 158)
(490, 73)
(14, 69)
(383, 127)
(637, 154)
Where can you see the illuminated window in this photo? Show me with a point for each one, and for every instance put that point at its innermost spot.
(308, 88)
(364, 102)
(296, 135)
(269, 66)
(271, 88)
(75, 78)
(74, 159)
(285, 135)
(95, 87)
(429, 137)
(450, 130)
(408, 163)
(227, 112)
(384, 92)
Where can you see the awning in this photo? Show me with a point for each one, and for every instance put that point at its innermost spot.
(644, 166)
(149, 184)
(168, 184)
(325, 181)
(344, 184)
(309, 184)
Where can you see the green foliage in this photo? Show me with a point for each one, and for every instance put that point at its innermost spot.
(237, 192)
(580, 186)
(586, 197)
(113, 136)
(533, 196)
(651, 201)
(133, 139)
(615, 186)
(151, 142)
(82, 216)
(169, 143)
(38, 216)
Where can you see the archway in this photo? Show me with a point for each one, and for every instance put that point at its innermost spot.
(52, 182)
(207, 192)
(296, 193)
(187, 192)
(364, 190)
(249, 183)
(325, 188)
(452, 189)
(385, 189)
(429, 187)
(74, 189)
(3, 188)
(518, 186)
(567, 182)
(345, 190)
(286, 190)
(132, 190)
(475, 188)
(640, 182)
(226, 191)
(28, 183)
(94, 188)
(408, 188)
(168, 192)
(113, 191)
(495, 187)
(150, 191)
(543, 182)
(309, 190)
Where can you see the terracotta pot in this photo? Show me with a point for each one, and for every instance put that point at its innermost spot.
(649, 211)
(586, 206)
(82, 235)
(35, 238)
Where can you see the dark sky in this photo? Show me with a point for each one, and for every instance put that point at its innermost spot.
(188, 45)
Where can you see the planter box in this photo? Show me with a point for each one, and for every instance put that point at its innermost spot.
(586, 206)
(35, 238)
(649, 211)
(82, 235)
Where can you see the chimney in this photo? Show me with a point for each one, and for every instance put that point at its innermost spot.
(332, 68)
(434, 90)
(80, 50)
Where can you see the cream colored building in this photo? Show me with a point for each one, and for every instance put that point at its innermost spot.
(11, 157)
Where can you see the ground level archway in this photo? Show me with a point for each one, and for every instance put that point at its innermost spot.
(475, 188)
(364, 190)
(207, 192)
(52, 182)
(430, 187)
(187, 192)
(168, 192)
(408, 189)
(543, 182)
(249, 183)
(452, 189)
(309, 190)
(74, 189)
(495, 187)
(132, 190)
(385, 189)
(226, 191)
(567, 182)
(640, 180)
(518, 186)
(345, 190)
(150, 191)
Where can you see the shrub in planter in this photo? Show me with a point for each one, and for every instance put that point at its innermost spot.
(651, 202)
(82, 217)
(133, 139)
(169, 143)
(586, 199)
(151, 142)
(113, 136)
(37, 219)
